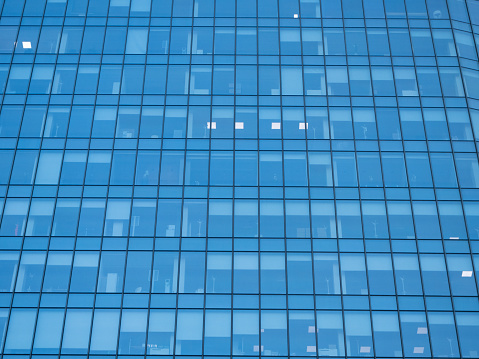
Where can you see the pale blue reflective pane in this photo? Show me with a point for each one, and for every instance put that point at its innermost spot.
(218, 273)
(273, 273)
(217, 332)
(358, 334)
(189, 332)
(30, 272)
(48, 332)
(138, 271)
(271, 218)
(245, 332)
(8, 270)
(300, 274)
(161, 332)
(380, 274)
(408, 277)
(165, 273)
(323, 219)
(326, 274)
(132, 332)
(330, 333)
(76, 334)
(220, 218)
(84, 272)
(415, 334)
(426, 220)
(468, 330)
(387, 341)
(110, 277)
(192, 271)
(452, 220)
(461, 275)
(57, 272)
(301, 333)
(353, 274)
(273, 333)
(91, 217)
(434, 274)
(105, 331)
(245, 276)
(20, 331)
(443, 334)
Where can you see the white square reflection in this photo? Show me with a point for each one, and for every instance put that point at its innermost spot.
(275, 125)
(467, 273)
(239, 125)
(26, 44)
(365, 350)
(295, 16)
(418, 350)
(421, 330)
(211, 125)
(303, 126)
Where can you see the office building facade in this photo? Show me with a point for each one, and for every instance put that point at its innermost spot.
(201, 179)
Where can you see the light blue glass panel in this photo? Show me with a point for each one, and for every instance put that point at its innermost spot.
(273, 280)
(380, 274)
(84, 273)
(136, 40)
(8, 270)
(110, 277)
(57, 272)
(408, 277)
(452, 220)
(104, 334)
(218, 273)
(245, 332)
(330, 333)
(271, 218)
(302, 341)
(189, 332)
(217, 332)
(468, 331)
(138, 272)
(132, 332)
(415, 334)
(245, 275)
(353, 274)
(443, 334)
(434, 274)
(387, 341)
(274, 336)
(220, 218)
(30, 272)
(192, 272)
(461, 275)
(291, 80)
(49, 331)
(40, 217)
(358, 334)
(300, 273)
(161, 332)
(20, 331)
(76, 334)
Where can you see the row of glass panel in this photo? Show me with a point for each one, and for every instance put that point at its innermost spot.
(241, 41)
(239, 273)
(384, 123)
(240, 80)
(455, 9)
(241, 332)
(241, 168)
(273, 218)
